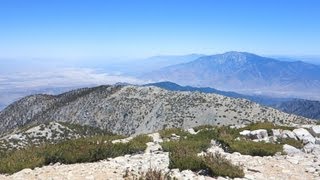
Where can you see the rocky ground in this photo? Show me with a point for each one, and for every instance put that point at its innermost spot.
(52, 132)
(296, 164)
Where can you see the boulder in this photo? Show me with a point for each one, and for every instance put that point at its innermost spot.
(276, 133)
(308, 148)
(288, 134)
(245, 133)
(290, 150)
(315, 130)
(304, 135)
(259, 134)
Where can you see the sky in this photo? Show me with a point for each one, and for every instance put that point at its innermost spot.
(75, 29)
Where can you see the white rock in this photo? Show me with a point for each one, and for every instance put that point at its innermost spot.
(245, 133)
(307, 126)
(174, 137)
(304, 135)
(288, 134)
(290, 150)
(312, 148)
(310, 169)
(308, 148)
(153, 147)
(315, 130)
(221, 178)
(259, 134)
(191, 131)
(125, 140)
(276, 133)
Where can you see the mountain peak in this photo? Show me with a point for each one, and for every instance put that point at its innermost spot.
(246, 73)
(234, 56)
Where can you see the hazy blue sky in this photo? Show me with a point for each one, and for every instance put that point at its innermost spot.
(137, 28)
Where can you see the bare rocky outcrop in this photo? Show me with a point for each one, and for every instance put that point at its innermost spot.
(131, 110)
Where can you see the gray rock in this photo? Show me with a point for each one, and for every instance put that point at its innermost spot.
(288, 134)
(315, 130)
(310, 169)
(290, 150)
(304, 135)
(276, 132)
(259, 134)
(312, 148)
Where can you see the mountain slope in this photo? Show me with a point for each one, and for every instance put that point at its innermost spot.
(301, 107)
(264, 100)
(244, 72)
(133, 110)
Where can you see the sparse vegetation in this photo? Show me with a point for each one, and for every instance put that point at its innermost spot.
(184, 155)
(220, 166)
(151, 174)
(254, 148)
(183, 152)
(292, 142)
(69, 152)
(203, 127)
(166, 133)
(265, 125)
(227, 137)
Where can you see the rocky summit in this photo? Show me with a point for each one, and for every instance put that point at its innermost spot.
(129, 110)
(295, 163)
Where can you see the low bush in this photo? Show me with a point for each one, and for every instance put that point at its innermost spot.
(220, 166)
(252, 148)
(183, 155)
(265, 125)
(166, 133)
(69, 152)
(292, 142)
(151, 174)
(203, 127)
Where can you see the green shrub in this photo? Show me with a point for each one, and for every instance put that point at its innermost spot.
(203, 127)
(69, 152)
(151, 174)
(186, 161)
(247, 147)
(265, 125)
(292, 142)
(166, 133)
(183, 155)
(18, 160)
(220, 166)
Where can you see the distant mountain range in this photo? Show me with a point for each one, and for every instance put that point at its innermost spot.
(306, 108)
(264, 100)
(246, 73)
